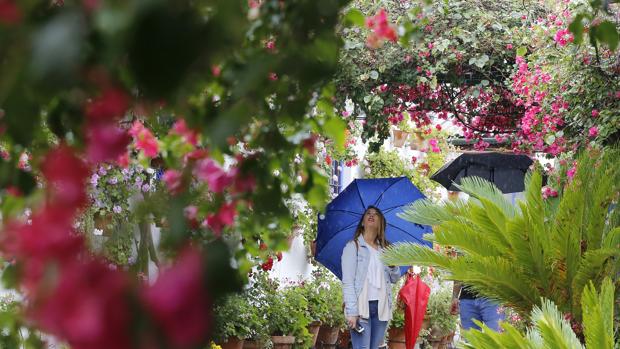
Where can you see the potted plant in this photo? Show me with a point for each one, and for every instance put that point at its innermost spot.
(315, 293)
(396, 330)
(255, 293)
(287, 322)
(333, 318)
(234, 318)
(442, 323)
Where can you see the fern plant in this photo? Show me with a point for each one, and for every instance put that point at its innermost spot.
(520, 254)
(551, 329)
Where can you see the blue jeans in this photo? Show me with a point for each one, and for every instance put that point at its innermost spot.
(374, 330)
(482, 310)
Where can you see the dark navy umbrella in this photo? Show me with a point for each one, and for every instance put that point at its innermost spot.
(505, 170)
(337, 226)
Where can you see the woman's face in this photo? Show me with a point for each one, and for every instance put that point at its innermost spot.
(372, 219)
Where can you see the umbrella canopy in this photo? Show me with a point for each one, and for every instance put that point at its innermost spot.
(337, 226)
(414, 294)
(507, 171)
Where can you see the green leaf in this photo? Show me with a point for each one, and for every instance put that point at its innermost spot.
(355, 17)
(576, 27)
(606, 32)
(334, 128)
(522, 51)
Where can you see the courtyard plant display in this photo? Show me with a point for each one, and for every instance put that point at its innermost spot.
(236, 319)
(539, 249)
(228, 110)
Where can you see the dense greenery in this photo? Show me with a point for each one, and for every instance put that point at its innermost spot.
(520, 254)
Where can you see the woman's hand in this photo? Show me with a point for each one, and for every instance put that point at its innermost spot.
(352, 321)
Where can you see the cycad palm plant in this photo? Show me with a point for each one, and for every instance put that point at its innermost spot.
(551, 330)
(520, 254)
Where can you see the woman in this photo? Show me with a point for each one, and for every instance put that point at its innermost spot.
(367, 282)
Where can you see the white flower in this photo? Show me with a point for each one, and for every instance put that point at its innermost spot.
(150, 170)
(97, 232)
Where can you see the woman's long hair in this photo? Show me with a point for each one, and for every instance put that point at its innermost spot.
(380, 240)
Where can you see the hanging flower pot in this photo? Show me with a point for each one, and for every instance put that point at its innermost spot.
(399, 138)
(417, 141)
(396, 338)
(283, 342)
(232, 343)
(104, 223)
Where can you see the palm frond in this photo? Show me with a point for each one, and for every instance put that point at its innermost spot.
(425, 212)
(485, 219)
(555, 331)
(413, 254)
(486, 338)
(467, 238)
(498, 279)
(482, 189)
(598, 316)
(591, 268)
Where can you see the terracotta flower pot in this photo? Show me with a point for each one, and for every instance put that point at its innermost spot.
(283, 342)
(314, 328)
(400, 137)
(344, 338)
(328, 337)
(417, 141)
(232, 343)
(396, 338)
(252, 344)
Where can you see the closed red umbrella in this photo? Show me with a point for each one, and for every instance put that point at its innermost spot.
(414, 294)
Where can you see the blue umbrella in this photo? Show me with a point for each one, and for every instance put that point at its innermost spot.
(337, 226)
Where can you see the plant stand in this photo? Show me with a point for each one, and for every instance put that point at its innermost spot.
(283, 342)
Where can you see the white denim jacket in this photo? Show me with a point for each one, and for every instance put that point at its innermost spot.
(355, 261)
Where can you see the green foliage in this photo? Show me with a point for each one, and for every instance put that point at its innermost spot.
(235, 317)
(550, 328)
(518, 255)
(14, 331)
(442, 322)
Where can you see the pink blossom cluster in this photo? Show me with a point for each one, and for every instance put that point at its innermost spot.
(381, 29)
(78, 297)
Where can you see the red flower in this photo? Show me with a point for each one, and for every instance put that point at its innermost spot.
(106, 141)
(268, 265)
(224, 217)
(144, 139)
(89, 307)
(279, 256)
(111, 105)
(179, 303)
(173, 180)
(9, 12)
(66, 175)
(123, 160)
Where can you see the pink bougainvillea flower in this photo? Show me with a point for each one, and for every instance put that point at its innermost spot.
(270, 45)
(144, 139)
(106, 141)
(595, 113)
(593, 132)
(563, 37)
(245, 183)
(381, 29)
(223, 218)
(66, 174)
(571, 172)
(273, 76)
(548, 192)
(216, 70)
(209, 171)
(10, 13)
(179, 302)
(111, 105)
(89, 307)
(174, 181)
(180, 128)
